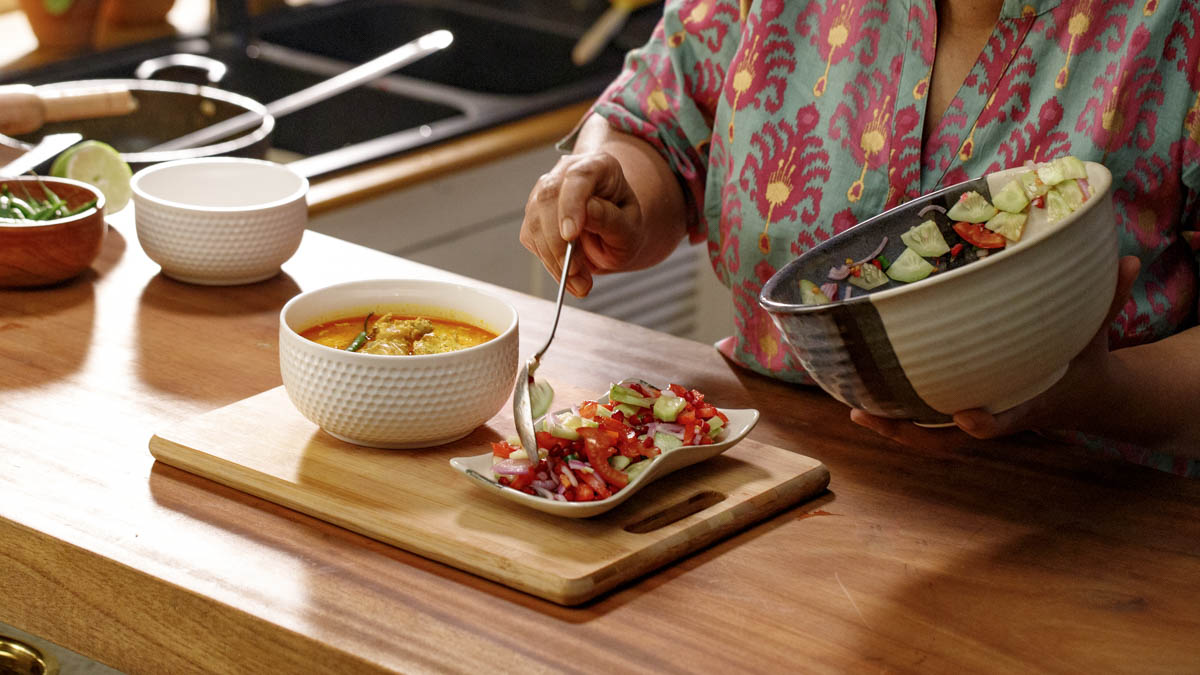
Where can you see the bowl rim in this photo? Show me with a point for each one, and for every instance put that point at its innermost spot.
(934, 281)
(135, 183)
(509, 331)
(98, 207)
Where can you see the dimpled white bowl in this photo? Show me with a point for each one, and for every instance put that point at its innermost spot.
(398, 401)
(220, 221)
(991, 334)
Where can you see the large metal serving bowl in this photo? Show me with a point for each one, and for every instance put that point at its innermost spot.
(167, 110)
(991, 334)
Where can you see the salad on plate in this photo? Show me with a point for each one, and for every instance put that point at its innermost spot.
(594, 450)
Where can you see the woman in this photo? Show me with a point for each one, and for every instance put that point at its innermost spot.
(766, 126)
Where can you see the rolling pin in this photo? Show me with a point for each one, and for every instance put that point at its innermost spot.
(24, 108)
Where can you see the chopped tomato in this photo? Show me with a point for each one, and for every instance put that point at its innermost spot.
(584, 493)
(588, 410)
(599, 460)
(705, 411)
(549, 441)
(686, 418)
(679, 391)
(502, 449)
(978, 235)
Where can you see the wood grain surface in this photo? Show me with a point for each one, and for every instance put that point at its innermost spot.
(1020, 555)
(413, 499)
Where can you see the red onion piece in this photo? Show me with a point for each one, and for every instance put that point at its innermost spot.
(877, 251)
(930, 207)
(830, 290)
(512, 467)
(578, 465)
(543, 492)
(839, 273)
(570, 477)
(847, 291)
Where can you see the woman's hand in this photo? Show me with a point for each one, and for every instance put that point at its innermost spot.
(1069, 404)
(585, 197)
(616, 195)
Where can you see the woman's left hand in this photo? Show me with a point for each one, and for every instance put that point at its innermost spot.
(1063, 406)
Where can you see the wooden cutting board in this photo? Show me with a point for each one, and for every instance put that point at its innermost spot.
(414, 500)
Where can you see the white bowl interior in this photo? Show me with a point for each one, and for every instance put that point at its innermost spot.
(220, 183)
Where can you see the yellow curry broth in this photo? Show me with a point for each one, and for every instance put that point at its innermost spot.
(394, 334)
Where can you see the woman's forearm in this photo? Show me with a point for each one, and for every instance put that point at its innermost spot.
(1153, 397)
(658, 191)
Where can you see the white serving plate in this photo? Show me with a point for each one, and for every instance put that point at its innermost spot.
(741, 421)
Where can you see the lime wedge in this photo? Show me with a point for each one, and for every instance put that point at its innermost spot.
(98, 164)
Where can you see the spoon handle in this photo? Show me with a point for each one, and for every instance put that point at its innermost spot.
(562, 287)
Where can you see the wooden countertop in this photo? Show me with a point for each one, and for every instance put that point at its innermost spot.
(1010, 556)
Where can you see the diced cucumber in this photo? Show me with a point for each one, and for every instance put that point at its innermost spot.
(926, 239)
(565, 426)
(636, 468)
(715, 425)
(910, 267)
(1071, 167)
(629, 410)
(971, 207)
(869, 277)
(626, 395)
(618, 462)
(1071, 193)
(1011, 225)
(1011, 198)
(541, 395)
(1034, 187)
(1051, 173)
(666, 442)
(811, 294)
(603, 412)
(667, 408)
(1056, 206)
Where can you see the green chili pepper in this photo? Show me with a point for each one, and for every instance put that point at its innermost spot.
(81, 208)
(361, 338)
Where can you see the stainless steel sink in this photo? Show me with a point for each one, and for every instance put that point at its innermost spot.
(504, 64)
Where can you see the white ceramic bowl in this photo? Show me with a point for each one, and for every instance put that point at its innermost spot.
(990, 334)
(398, 401)
(220, 221)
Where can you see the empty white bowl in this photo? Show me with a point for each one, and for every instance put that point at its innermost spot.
(990, 334)
(220, 221)
(398, 401)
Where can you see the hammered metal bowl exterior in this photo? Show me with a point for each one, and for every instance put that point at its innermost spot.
(398, 401)
(220, 221)
(991, 335)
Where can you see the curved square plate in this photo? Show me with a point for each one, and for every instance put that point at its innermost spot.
(741, 421)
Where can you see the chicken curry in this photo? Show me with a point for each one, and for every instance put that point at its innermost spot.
(397, 335)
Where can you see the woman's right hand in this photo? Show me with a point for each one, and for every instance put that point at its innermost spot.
(585, 197)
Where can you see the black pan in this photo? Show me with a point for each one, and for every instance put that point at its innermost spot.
(166, 110)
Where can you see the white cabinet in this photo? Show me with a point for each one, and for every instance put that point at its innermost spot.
(469, 223)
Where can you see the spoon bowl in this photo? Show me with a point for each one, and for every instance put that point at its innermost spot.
(741, 421)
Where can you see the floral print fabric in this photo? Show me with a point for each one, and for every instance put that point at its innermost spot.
(788, 122)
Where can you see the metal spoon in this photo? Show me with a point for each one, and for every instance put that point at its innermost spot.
(522, 408)
(381, 65)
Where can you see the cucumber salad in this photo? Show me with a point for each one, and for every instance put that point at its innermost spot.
(595, 449)
(969, 230)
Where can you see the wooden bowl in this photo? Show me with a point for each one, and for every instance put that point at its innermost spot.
(36, 253)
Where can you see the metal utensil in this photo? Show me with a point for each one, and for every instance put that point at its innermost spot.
(522, 408)
(41, 153)
(376, 67)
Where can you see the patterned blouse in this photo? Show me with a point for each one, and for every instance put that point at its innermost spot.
(788, 122)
